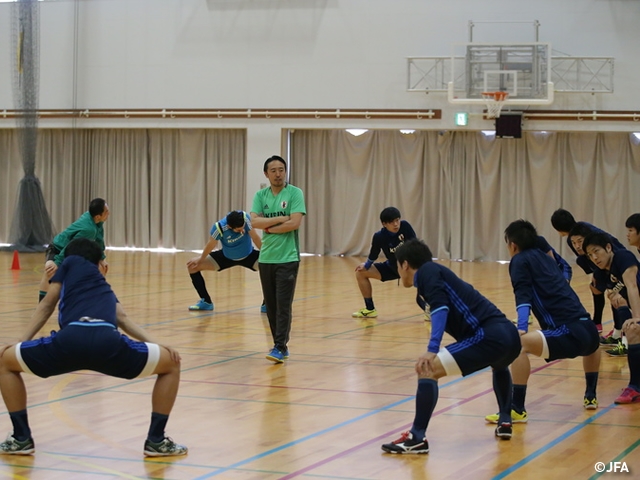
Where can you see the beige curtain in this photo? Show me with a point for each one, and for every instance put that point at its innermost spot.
(165, 187)
(460, 190)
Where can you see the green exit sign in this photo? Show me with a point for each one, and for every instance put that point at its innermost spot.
(462, 119)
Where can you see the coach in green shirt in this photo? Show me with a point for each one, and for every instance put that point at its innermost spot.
(278, 211)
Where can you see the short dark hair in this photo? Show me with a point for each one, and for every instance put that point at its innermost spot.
(85, 248)
(599, 239)
(415, 252)
(633, 222)
(562, 220)
(235, 219)
(96, 206)
(522, 233)
(580, 229)
(389, 214)
(272, 158)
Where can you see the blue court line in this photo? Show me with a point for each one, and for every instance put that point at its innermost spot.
(548, 446)
(322, 432)
(624, 453)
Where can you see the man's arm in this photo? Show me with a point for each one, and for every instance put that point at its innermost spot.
(295, 219)
(256, 238)
(43, 311)
(629, 278)
(261, 222)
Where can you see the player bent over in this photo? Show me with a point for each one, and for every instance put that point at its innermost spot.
(88, 339)
(567, 330)
(484, 337)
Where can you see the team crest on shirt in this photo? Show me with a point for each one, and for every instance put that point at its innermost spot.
(617, 284)
(283, 204)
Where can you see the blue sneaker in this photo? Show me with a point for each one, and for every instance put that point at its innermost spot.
(263, 308)
(285, 354)
(275, 355)
(201, 305)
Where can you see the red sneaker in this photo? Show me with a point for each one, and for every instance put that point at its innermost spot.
(629, 395)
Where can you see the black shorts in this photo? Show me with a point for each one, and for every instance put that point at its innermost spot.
(571, 340)
(387, 272)
(250, 261)
(50, 253)
(496, 344)
(91, 345)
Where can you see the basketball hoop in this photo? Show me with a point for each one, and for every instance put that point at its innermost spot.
(495, 102)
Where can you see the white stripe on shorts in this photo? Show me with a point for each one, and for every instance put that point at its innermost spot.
(152, 360)
(21, 360)
(448, 362)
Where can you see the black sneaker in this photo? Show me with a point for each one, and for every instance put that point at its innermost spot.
(504, 431)
(11, 446)
(166, 448)
(407, 444)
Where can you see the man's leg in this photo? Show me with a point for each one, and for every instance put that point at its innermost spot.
(199, 284)
(285, 278)
(631, 394)
(591, 365)
(532, 342)
(267, 281)
(163, 398)
(14, 394)
(414, 441)
(363, 277)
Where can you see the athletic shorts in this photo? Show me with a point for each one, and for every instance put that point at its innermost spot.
(387, 272)
(50, 253)
(571, 340)
(250, 261)
(88, 345)
(496, 344)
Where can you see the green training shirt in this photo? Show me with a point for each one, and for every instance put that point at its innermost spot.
(279, 247)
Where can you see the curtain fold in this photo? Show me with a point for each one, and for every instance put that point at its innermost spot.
(460, 190)
(165, 187)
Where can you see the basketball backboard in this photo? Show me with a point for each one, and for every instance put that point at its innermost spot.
(522, 70)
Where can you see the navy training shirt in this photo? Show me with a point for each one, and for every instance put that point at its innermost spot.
(387, 242)
(538, 283)
(85, 292)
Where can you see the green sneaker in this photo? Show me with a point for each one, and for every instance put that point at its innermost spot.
(365, 313)
(166, 448)
(11, 446)
(608, 341)
(618, 351)
(515, 417)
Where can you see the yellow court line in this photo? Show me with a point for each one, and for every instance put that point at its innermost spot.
(92, 466)
(56, 407)
(14, 475)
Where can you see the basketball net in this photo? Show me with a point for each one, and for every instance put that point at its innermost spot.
(495, 102)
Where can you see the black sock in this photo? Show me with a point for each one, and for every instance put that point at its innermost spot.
(620, 315)
(519, 394)
(598, 307)
(502, 387)
(20, 421)
(198, 282)
(633, 357)
(426, 399)
(368, 303)
(156, 429)
(592, 383)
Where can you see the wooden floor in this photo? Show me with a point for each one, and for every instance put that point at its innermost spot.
(347, 388)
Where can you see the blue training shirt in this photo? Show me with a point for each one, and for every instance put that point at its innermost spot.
(539, 285)
(85, 292)
(235, 246)
(612, 278)
(456, 307)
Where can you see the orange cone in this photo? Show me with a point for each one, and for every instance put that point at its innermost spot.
(15, 265)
